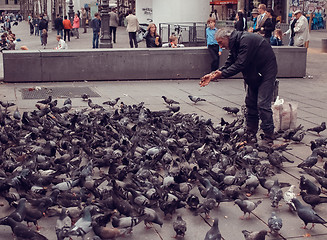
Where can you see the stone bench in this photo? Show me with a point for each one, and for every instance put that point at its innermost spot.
(129, 64)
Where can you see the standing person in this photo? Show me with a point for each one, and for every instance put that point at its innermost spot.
(265, 28)
(67, 26)
(240, 23)
(46, 18)
(113, 24)
(262, 17)
(84, 17)
(152, 38)
(30, 21)
(59, 25)
(42, 25)
(255, 58)
(76, 26)
(301, 30)
(44, 37)
(212, 44)
(96, 26)
(36, 22)
(291, 30)
(7, 25)
(255, 14)
(132, 28)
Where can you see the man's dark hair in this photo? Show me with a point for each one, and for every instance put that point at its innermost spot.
(65, 17)
(58, 15)
(130, 11)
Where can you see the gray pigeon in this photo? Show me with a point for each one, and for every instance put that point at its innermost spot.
(310, 161)
(63, 224)
(274, 223)
(261, 235)
(288, 196)
(179, 226)
(83, 225)
(318, 128)
(213, 233)
(195, 99)
(247, 206)
(275, 194)
(307, 214)
(169, 101)
(111, 102)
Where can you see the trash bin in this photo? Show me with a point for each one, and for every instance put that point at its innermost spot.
(324, 45)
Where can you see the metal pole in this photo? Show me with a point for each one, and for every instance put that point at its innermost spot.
(105, 38)
(71, 11)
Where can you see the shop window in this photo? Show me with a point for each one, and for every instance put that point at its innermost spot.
(7, 2)
(15, 1)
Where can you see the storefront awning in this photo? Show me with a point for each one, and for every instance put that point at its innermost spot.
(223, 2)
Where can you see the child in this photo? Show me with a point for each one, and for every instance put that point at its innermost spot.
(213, 47)
(277, 38)
(173, 41)
(44, 37)
(61, 43)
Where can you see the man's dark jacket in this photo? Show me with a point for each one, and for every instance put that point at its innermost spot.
(58, 24)
(43, 24)
(252, 55)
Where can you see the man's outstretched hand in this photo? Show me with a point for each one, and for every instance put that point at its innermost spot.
(205, 80)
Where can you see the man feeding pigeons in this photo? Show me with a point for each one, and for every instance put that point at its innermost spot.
(252, 55)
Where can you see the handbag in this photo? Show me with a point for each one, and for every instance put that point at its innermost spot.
(139, 36)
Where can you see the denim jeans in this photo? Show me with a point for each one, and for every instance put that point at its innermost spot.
(95, 41)
(258, 103)
(132, 38)
(59, 32)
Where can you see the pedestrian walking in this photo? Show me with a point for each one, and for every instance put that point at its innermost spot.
(59, 26)
(301, 30)
(67, 27)
(44, 38)
(7, 25)
(212, 44)
(96, 26)
(76, 24)
(113, 24)
(132, 28)
(253, 56)
(84, 19)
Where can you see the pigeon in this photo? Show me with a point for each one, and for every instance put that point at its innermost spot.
(151, 216)
(93, 105)
(169, 101)
(179, 226)
(275, 194)
(307, 214)
(310, 187)
(68, 101)
(274, 223)
(19, 214)
(213, 233)
(288, 196)
(126, 222)
(85, 97)
(45, 101)
(21, 231)
(195, 99)
(63, 224)
(233, 110)
(83, 225)
(313, 199)
(7, 104)
(298, 136)
(310, 161)
(111, 102)
(173, 108)
(17, 114)
(260, 235)
(247, 206)
(318, 129)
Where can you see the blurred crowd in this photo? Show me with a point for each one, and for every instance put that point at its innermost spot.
(8, 38)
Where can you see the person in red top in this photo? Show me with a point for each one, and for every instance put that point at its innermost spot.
(67, 26)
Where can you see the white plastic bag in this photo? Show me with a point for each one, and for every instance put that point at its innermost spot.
(284, 114)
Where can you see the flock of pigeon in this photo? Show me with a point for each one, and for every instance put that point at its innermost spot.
(125, 165)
